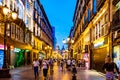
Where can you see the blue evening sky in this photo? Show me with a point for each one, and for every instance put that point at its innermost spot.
(60, 15)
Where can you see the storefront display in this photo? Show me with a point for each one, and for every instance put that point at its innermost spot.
(20, 58)
(116, 55)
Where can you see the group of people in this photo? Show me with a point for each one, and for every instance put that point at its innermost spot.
(69, 63)
(44, 64)
(109, 66)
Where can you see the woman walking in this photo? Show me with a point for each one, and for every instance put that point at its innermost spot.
(45, 69)
(36, 65)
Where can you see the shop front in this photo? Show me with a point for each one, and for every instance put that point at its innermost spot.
(98, 55)
(98, 58)
(42, 55)
(20, 53)
(116, 55)
(19, 58)
(27, 57)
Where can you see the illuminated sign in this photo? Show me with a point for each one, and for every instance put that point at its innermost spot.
(27, 50)
(98, 44)
(1, 58)
(2, 47)
(17, 50)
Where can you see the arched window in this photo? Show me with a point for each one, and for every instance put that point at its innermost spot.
(94, 6)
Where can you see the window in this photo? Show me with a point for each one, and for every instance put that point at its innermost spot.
(27, 21)
(27, 5)
(94, 6)
(106, 18)
(21, 13)
(36, 14)
(12, 30)
(1, 2)
(21, 35)
(88, 15)
(2, 28)
(16, 32)
(93, 33)
(84, 20)
(35, 29)
(38, 32)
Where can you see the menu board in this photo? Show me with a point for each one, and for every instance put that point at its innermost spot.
(1, 58)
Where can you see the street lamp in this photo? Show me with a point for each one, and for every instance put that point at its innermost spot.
(69, 41)
(8, 16)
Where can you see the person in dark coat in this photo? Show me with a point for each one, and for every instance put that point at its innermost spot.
(110, 68)
(74, 72)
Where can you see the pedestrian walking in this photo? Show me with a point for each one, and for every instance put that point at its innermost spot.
(51, 64)
(62, 65)
(79, 64)
(110, 68)
(40, 61)
(68, 64)
(73, 62)
(74, 72)
(45, 69)
(36, 66)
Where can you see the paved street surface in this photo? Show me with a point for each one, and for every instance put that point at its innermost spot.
(26, 73)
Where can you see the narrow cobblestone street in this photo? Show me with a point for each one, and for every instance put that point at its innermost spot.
(26, 73)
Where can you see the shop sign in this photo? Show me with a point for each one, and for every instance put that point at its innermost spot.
(1, 58)
(99, 44)
(27, 50)
(17, 50)
(2, 47)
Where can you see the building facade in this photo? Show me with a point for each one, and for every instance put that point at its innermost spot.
(42, 31)
(18, 36)
(115, 27)
(92, 31)
(28, 35)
